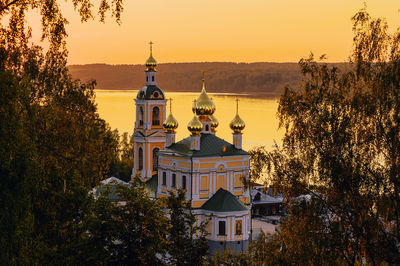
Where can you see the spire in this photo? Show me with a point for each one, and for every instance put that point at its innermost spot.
(237, 124)
(203, 79)
(151, 48)
(170, 124)
(151, 63)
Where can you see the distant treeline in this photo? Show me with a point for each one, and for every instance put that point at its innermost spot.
(266, 78)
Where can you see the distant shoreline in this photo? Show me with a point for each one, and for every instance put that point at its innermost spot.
(265, 95)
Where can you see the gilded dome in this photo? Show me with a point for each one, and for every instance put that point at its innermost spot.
(237, 124)
(214, 122)
(204, 105)
(151, 61)
(195, 126)
(170, 124)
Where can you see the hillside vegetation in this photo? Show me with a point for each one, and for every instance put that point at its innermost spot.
(268, 79)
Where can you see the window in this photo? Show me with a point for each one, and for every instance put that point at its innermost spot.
(173, 180)
(184, 182)
(152, 78)
(140, 158)
(141, 116)
(221, 228)
(164, 178)
(155, 159)
(156, 116)
(206, 127)
(147, 78)
(238, 227)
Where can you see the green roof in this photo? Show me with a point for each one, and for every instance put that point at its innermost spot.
(146, 92)
(223, 201)
(210, 145)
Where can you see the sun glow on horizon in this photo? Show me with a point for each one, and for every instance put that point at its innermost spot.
(222, 31)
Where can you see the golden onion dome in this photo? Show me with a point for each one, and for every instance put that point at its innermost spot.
(237, 124)
(214, 122)
(170, 124)
(195, 126)
(151, 61)
(204, 105)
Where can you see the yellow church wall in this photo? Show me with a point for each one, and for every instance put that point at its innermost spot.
(197, 203)
(238, 181)
(207, 165)
(221, 182)
(224, 159)
(166, 162)
(184, 165)
(235, 164)
(203, 193)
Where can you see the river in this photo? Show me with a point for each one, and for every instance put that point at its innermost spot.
(259, 114)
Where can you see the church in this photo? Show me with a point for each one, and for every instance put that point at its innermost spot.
(207, 167)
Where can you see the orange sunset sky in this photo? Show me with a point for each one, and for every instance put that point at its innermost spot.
(220, 30)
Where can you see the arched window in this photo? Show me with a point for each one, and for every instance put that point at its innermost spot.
(147, 78)
(206, 127)
(156, 116)
(152, 78)
(141, 116)
(140, 158)
(183, 182)
(155, 159)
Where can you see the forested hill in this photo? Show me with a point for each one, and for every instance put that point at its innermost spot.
(268, 79)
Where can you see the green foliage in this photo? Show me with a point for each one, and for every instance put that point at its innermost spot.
(132, 232)
(341, 148)
(187, 243)
(53, 144)
(121, 165)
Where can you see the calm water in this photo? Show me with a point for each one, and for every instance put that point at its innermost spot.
(118, 109)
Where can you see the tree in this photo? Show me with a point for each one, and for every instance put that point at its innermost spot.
(131, 233)
(122, 163)
(187, 243)
(342, 150)
(54, 145)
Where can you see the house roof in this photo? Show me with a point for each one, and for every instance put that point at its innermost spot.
(109, 186)
(223, 201)
(210, 145)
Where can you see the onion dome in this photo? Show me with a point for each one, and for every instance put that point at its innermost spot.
(170, 124)
(214, 122)
(237, 124)
(195, 126)
(151, 63)
(204, 105)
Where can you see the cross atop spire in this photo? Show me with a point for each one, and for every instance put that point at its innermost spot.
(151, 47)
(237, 106)
(170, 105)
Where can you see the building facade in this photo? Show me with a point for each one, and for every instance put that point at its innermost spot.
(210, 169)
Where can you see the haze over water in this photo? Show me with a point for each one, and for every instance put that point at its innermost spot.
(259, 114)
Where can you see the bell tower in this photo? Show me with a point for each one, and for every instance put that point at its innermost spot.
(148, 134)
